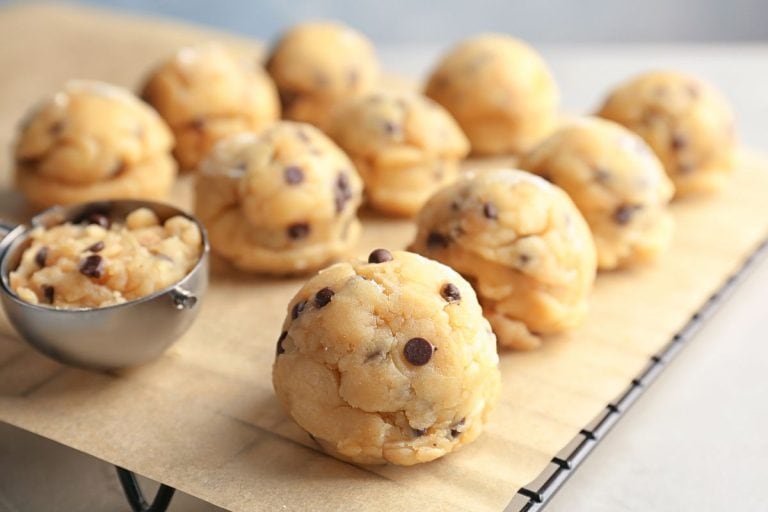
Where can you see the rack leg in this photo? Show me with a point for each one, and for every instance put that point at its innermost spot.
(136, 497)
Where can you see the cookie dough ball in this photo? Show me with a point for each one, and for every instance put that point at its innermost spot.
(280, 202)
(92, 263)
(523, 245)
(686, 121)
(207, 92)
(317, 65)
(93, 141)
(616, 181)
(404, 145)
(388, 360)
(499, 90)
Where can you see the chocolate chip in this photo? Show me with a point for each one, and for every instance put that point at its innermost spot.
(523, 259)
(490, 211)
(96, 214)
(280, 349)
(455, 430)
(323, 297)
(297, 309)
(602, 175)
(287, 99)
(198, 124)
(41, 256)
(293, 175)
(48, 292)
(419, 432)
(678, 141)
(624, 213)
(352, 78)
(450, 292)
(298, 230)
(92, 266)
(418, 351)
(341, 192)
(391, 128)
(437, 240)
(31, 161)
(303, 136)
(455, 205)
(97, 247)
(379, 256)
(56, 128)
(241, 166)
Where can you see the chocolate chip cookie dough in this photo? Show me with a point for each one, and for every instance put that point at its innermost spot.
(93, 141)
(93, 263)
(523, 245)
(281, 202)
(207, 92)
(404, 145)
(387, 360)
(316, 65)
(686, 121)
(499, 90)
(618, 184)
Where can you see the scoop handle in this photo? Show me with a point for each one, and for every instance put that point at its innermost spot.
(5, 229)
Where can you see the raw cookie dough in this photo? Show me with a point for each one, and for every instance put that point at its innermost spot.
(317, 65)
(618, 184)
(523, 245)
(93, 141)
(404, 145)
(686, 121)
(499, 90)
(207, 92)
(388, 360)
(92, 264)
(281, 202)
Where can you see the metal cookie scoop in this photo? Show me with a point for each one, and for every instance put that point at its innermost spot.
(110, 337)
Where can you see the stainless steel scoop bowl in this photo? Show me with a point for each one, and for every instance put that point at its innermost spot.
(111, 337)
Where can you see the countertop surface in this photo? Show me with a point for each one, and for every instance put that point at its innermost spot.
(696, 439)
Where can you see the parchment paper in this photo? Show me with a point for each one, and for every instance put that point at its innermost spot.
(203, 418)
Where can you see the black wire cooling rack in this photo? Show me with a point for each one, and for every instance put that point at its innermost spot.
(535, 496)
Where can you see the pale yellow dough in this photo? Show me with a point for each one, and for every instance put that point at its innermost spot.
(207, 92)
(686, 121)
(404, 145)
(92, 265)
(93, 141)
(317, 65)
(618, 184)
(280, 202)
(523, 245)
(345, 373)
(499, 90)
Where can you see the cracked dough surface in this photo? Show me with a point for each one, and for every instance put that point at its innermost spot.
(500, 91)
(317, 65)
(280, 202)
(207, 92)
(618, 184)
(523, 245)
(92, 141)
(343, 368)
(686, 121)
(404, 145)
(92, 265)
